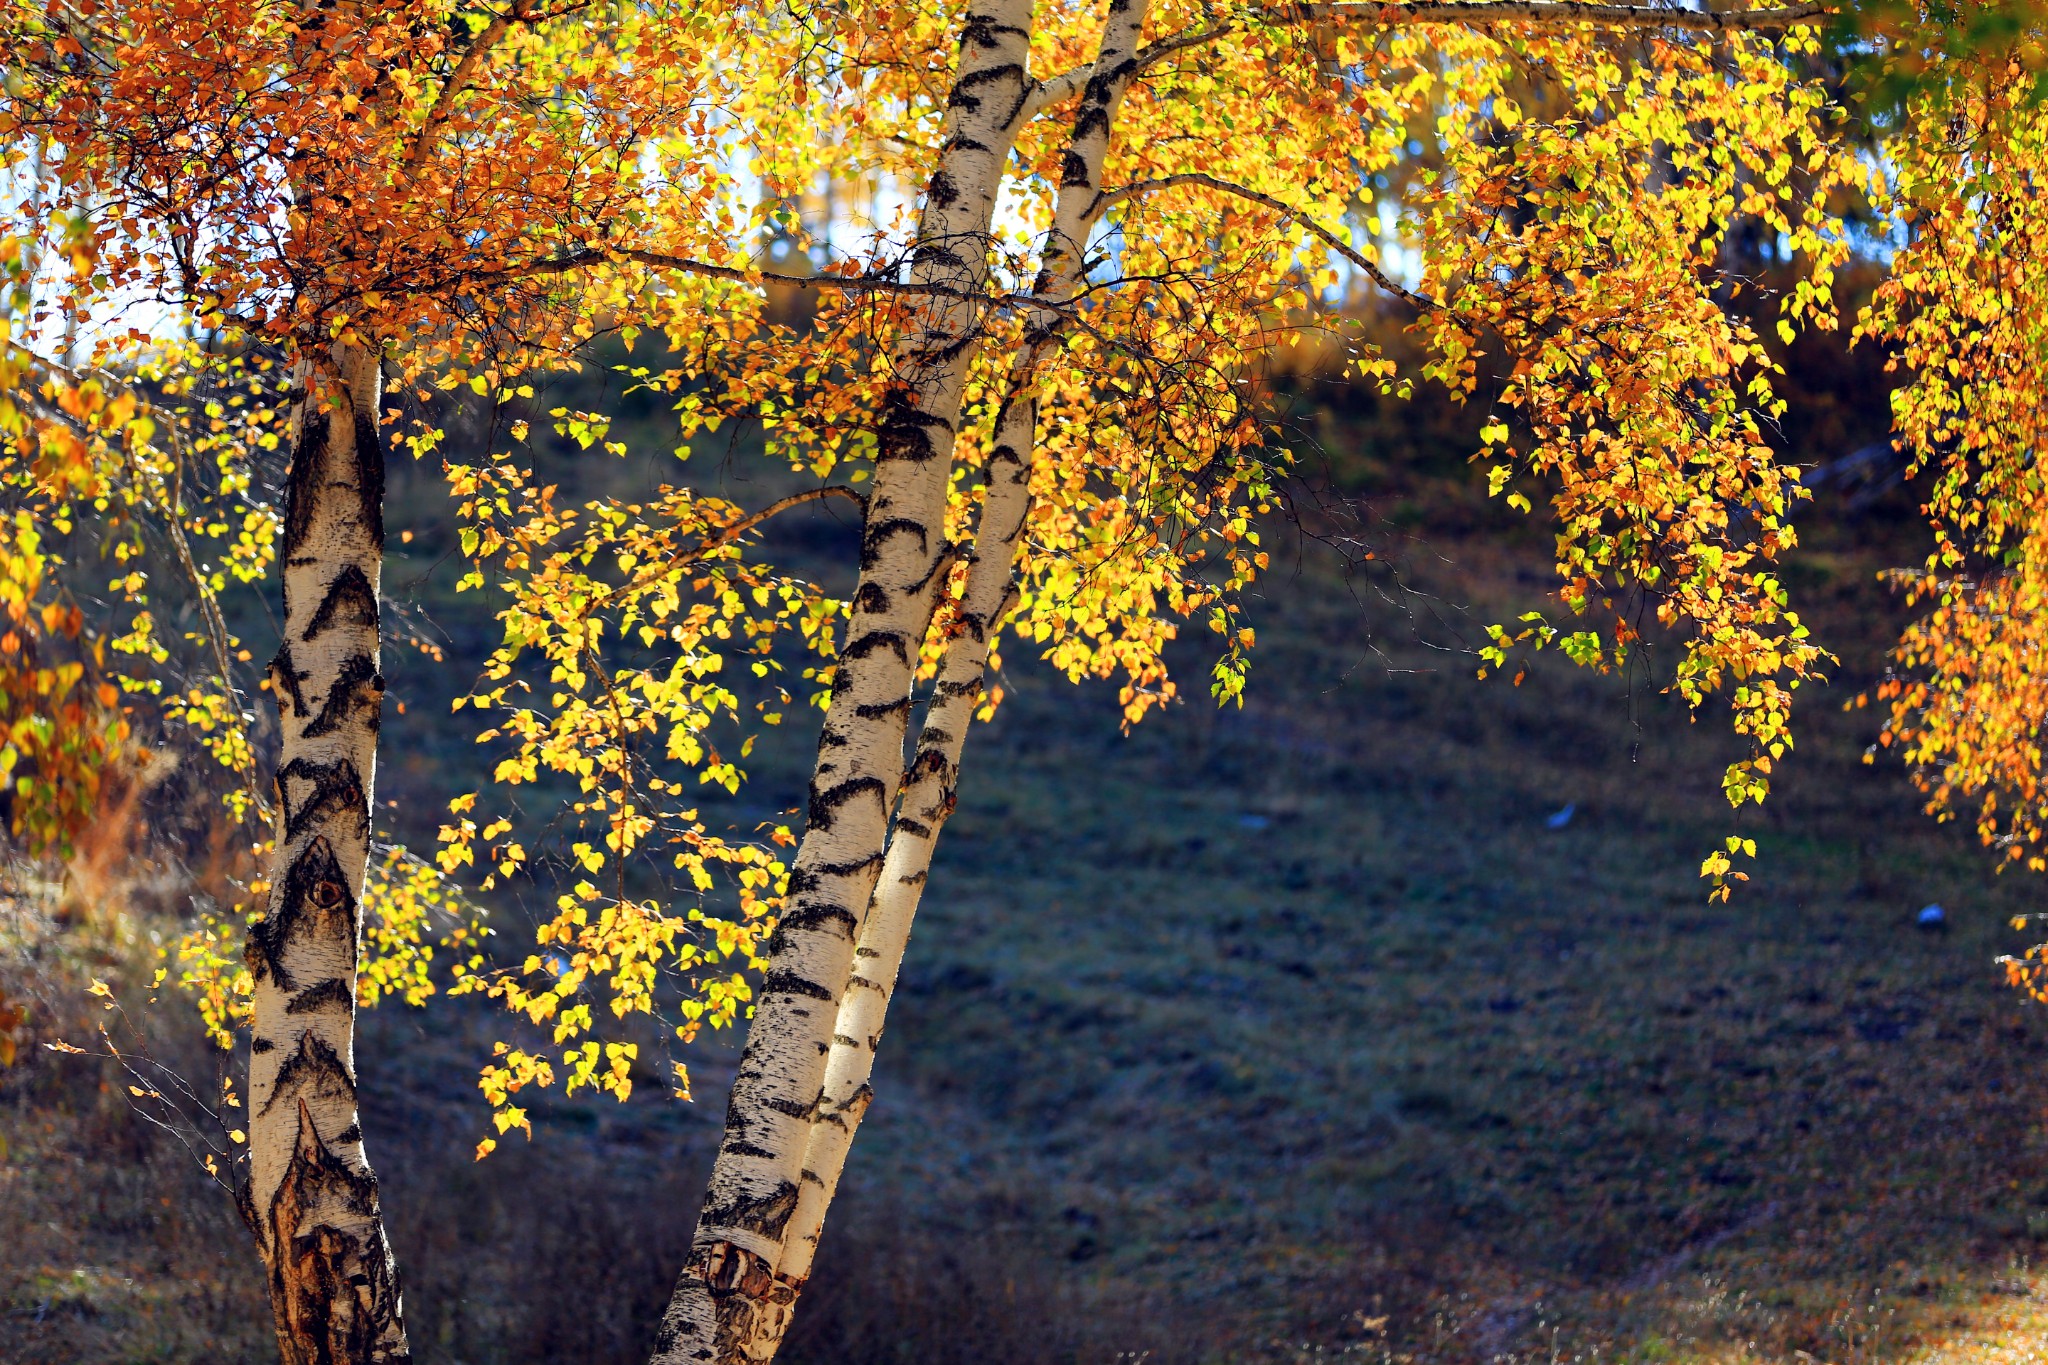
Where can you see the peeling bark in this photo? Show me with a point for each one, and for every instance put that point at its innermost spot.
(311, 1198)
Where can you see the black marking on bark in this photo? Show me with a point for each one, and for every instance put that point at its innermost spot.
(259, 1046)
(352, 1133)
(848, 869)
(357, 686)
(316, 899)
(904, 433)
(782, 981)
(913, 878)
(858, 983)
(876, 639)
(877, 710)
(302, 482)
(314, 1069)
(942, 563)
(350, 601)
(748, 1149)
(792, 1109)
(334, 1293)
(865, 952)
(284, 683)
(369, 453)
(806, 918)
(811, 1177)
(825, 804)
(959, 689)
(871, 598)
(876, 535)
(928, 252)
(845, 1041)
(765, 1215)
(943, 193)
(1073, 170)
(337, 790)
(988, 75)
(333, 991)
(909, 826)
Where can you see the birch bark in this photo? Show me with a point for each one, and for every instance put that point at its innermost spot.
(311, 1198)
(729, 1304)
(932, 781)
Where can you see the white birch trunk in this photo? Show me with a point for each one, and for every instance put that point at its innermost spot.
(311, 1198)
(729, 1304)
(933, 779)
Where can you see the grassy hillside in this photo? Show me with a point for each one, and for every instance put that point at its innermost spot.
(1256, 1036)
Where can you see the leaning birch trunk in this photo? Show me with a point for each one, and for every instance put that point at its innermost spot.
(933, 779)
(311, 1198)
(729, 1304)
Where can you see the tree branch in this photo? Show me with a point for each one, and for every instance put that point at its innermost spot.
(1475, 13)
(725, 536)
(1293, 215)
(685, 265)
(457, 82)
(1549, 13)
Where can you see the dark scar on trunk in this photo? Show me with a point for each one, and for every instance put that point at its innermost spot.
(765, 1214)
(333, 991)
(369, 454)
(824, 804)
(331, 1287)
(316, 897)
(359, 684)
(284, 682)
(337, 789)
(314, 1069)
(350, 601)
(301, 482)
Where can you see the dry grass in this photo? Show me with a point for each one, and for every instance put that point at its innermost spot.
(1285, 1035)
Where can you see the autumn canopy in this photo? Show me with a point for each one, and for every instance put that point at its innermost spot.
(1004, 282)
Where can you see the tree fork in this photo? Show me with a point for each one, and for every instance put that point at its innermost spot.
(730, 1305)
(931, 783)
(311, 1197)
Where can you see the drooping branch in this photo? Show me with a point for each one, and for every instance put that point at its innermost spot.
(727, 535)
(1307, 224)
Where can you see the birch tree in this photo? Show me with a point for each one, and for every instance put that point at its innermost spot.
(1067, 443)
(1060, 432)
(328, 181)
